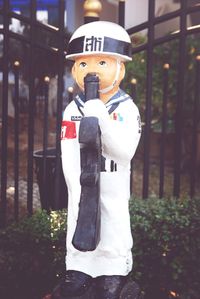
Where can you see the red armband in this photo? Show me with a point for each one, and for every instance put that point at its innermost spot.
(68, 130)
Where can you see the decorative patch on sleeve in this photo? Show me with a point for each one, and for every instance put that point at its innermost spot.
(116, 116)
(68, 130)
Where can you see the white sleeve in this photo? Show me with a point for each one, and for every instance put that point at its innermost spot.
(119, 138)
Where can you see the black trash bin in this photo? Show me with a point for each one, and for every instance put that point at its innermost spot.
(47, 187)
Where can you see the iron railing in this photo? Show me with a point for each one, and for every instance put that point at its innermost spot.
(181, 35)
(33, 44)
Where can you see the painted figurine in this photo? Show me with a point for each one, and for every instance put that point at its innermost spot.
(101, 48)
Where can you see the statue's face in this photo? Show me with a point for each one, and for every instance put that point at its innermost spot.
(104, 66)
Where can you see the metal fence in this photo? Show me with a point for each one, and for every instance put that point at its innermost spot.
(7, 65)
(148, 48)
(186, 9)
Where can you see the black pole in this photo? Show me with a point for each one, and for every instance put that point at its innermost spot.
(147, 128)
(70, 94)
(121, 13)
(133, 94)
(91, 10)
(180, 99)
(16, 132)
(45, 141)
(31, 109)
(134, 90)
(164, 123)
(88, 19)
(4, 155)
(196, 112)
(59, 100)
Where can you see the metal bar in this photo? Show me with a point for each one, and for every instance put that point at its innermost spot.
(16, 132)
(88, 19)
(131, 176)
(180, 99)
(163, 18)
(134, 89)
(35, 43)
(164, 124)
(4, 142)
(163, 39)
(25, 19)
(91, 11)
(70, 94)
(45, 141)
(157, 20)
(137, 49)
(137, 28)
(59, 100)
(121, 13)
(133, 95)
(31, 111)
(196, 112)
(147, 127)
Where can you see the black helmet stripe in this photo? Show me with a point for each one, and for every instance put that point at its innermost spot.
(98, 44)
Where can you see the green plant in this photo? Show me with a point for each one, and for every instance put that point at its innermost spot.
(166, 246)
(31, 255)
(165, 53)
(166, 250)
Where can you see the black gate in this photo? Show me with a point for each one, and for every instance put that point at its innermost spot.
(23, 54)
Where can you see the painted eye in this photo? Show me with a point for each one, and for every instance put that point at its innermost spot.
(83, 64)
(102, 63)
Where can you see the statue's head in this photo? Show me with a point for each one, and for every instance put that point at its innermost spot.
(102, 48)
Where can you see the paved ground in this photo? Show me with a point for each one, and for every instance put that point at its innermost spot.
(22, 207)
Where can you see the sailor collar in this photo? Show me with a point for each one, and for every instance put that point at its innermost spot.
(112, 104)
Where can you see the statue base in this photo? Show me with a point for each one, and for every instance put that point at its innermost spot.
(130, 290)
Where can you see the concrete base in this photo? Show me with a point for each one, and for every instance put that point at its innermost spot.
(130, 290)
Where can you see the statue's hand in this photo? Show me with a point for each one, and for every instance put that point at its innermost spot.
(97, 108)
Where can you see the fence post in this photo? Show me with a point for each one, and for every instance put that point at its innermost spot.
(164, 123)
(92, 9)
(59, 100)
(4, 155)
(147, 128)
(16, 132)
(45, 137)
(196, 112)
(121, 13)
(180, 99)
(31, 112)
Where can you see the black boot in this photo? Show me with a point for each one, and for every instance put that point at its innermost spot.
(109, 287)
(74, 284)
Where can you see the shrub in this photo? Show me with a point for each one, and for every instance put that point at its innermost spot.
(166, 251)
(31, 255)
(166, 246)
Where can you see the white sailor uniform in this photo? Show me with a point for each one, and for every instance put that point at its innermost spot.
(119, 122)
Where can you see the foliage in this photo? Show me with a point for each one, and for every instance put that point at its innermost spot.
(165, 53)
(166, 250)
(31, 255)
(166, 246)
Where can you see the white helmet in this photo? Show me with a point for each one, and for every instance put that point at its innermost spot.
(100, 37)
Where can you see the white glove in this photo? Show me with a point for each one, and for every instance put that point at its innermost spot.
(97, 109)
